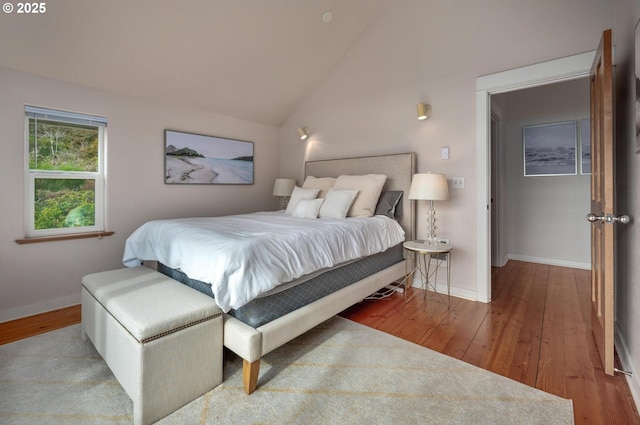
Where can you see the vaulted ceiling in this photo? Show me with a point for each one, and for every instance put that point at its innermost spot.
(249, 59)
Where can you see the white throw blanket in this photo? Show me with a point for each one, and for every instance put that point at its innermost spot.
(243, 256)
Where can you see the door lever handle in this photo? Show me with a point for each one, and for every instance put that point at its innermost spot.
(608, 218)
(593, 218)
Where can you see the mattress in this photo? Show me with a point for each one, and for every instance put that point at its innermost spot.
(247, 255)
(264, 309)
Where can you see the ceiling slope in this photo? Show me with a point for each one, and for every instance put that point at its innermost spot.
(249, 59)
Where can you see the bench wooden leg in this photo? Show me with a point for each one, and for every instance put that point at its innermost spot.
(250, 373)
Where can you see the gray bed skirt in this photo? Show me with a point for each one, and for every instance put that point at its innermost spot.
(265, 309)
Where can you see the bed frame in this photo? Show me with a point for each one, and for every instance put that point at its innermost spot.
(252, 343)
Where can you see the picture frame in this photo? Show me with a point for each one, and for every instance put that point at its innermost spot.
(550, 149)
(585, 146)
(198, 159)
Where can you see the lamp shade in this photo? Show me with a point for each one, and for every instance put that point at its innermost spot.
(283, 187)
(431, 187)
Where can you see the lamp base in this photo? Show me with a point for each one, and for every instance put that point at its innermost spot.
(432, 228)
(284, 201)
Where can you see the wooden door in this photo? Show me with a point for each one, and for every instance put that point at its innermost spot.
(602, 202)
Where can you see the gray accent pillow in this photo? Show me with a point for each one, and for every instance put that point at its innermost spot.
(388, 203)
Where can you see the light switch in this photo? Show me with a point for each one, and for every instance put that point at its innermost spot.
(444, 152)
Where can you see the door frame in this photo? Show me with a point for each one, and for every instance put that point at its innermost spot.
(496, 189)
(554, 71)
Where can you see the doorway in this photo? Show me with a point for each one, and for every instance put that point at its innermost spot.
(539, 199)
(558, 70)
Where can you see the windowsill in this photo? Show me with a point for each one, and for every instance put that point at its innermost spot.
(98, 235)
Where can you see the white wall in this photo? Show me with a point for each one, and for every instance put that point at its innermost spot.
(43, 276)
(433, 51)
(627, 299)
(544, 216)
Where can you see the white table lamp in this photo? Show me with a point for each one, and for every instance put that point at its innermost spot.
(429, 187)
(283, 189)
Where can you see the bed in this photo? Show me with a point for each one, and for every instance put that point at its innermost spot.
(251, 335)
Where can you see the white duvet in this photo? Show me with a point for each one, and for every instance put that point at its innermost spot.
(244, 256)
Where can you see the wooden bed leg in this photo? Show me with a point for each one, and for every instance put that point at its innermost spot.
(250, 372)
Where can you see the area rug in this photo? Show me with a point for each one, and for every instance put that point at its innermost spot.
(340, 372)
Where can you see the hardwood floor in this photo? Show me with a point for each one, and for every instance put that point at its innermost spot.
(537, 330)
(38, 324)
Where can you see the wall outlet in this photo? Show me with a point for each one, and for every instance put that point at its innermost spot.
(457, 183)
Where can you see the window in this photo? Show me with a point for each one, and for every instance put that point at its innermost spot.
(64, 172)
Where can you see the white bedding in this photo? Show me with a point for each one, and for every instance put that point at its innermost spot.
(244, 256)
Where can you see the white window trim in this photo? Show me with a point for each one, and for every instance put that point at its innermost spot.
(99, 177)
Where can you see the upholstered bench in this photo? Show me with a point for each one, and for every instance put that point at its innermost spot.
(161, 339)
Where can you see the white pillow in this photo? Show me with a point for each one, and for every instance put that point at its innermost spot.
(337, 203)
(308, 208)
(299, 194)
(369, 187)
(322, 183)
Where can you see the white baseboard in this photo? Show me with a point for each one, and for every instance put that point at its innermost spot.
(501, 262)
(441, 288)
(43, 307)
(626, 361)
(550, 261)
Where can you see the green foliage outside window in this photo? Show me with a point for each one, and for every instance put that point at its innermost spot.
(53, 146)
(60, 146)
(64, 203)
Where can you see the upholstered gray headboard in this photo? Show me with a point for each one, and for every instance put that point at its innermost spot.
(399, 169)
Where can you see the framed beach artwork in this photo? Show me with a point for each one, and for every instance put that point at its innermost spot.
(550, 149)
(585, 146)
(197, 159)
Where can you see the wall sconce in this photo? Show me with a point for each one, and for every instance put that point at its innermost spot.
(424, 111)
(283, 189)
(303, 132)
